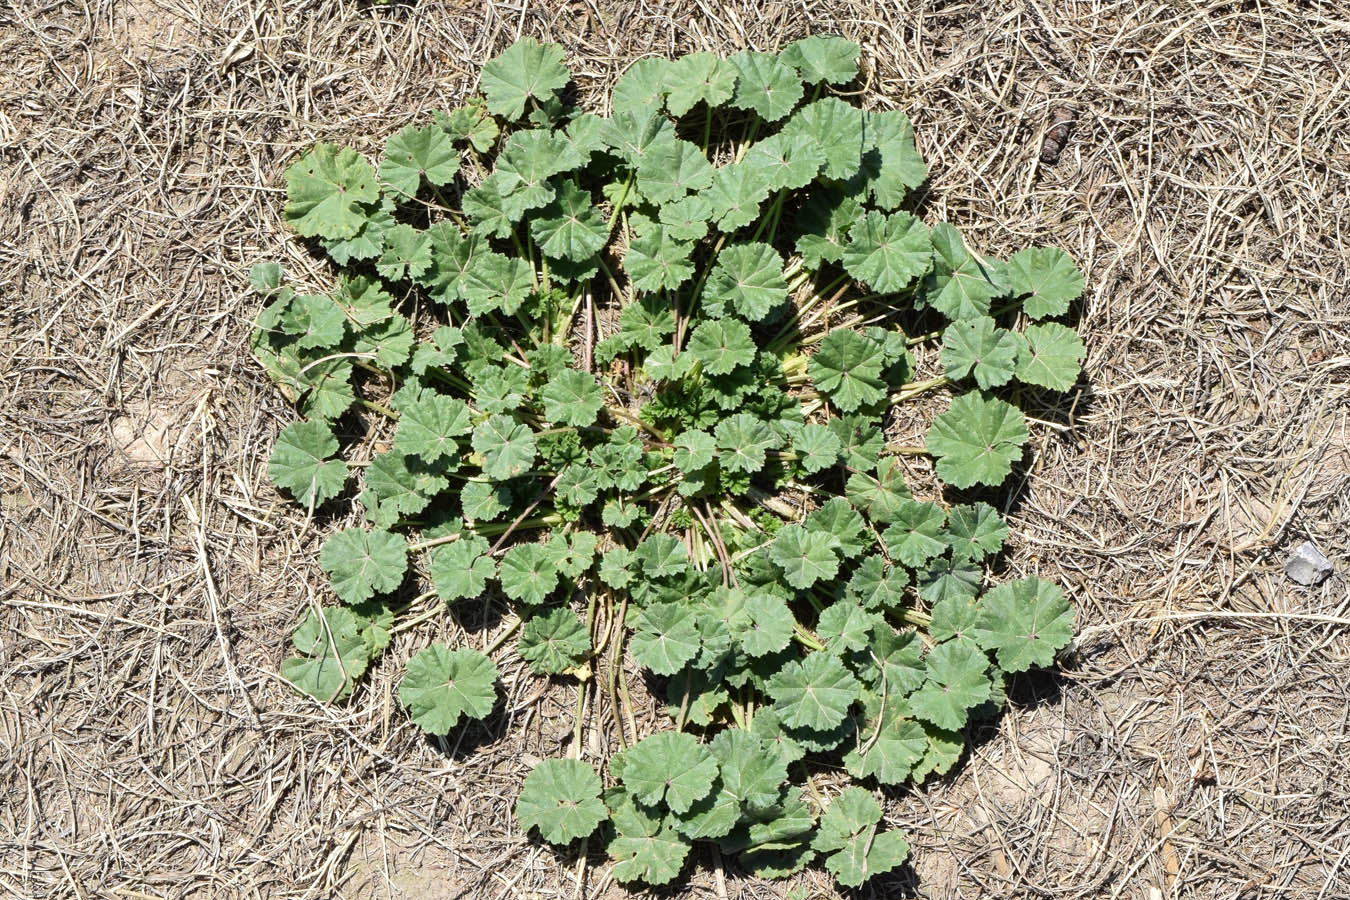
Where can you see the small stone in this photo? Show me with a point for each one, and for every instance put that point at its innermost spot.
(1307, 565)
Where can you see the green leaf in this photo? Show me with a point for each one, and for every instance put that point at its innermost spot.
(888, 252)
(769, 625)
(334, 655)
(889, 746)
(451, 256)
(834, 127)
(527, 162)
(847, 368)
(315, 321)
(265, 278)
(766, 84)
(390, 341)
(642, 87)
(825, 58)
(686, 219)
(644, 849)
(804, 556)
(957, 681)
(736, 193)
(572, 398)
(977, 440)
(554, 642)
(881, 495)
(915, 535)
(428, 427)
(657, 260)
(633, 135)
(790, 160)
(841, 522)
(849, 828)
(1046, 278)
(979, 345)
(470, 123)
(528, 573)
(616, 567)
(561, 797)
(399, 485)
(488, 208)
(300, 463)
(414, 153)
(325, 189)
(507, 447)
(722, 345)
(461, 570)
(824, 222)
(483, 502)
(570, 227)
(526, 70)
(329, 386)
(646, 323)
(962, 284)
(1050, 356)
(661, 556)
(874, 587)
(673, 169)
(1026, 622)
(443, 684)
(974, 532)
(953, 617)
(817, 447)
(748, 278)
(670, 766)
(892, 166)
(361, 563)
(813, 693)
(743, 441)
(945, 577)
(752, 770)
(699, 77)
(407, 251)
(665, 638)
(693, 450)
(845, 625)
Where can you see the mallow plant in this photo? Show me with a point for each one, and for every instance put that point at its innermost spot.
(629, 377)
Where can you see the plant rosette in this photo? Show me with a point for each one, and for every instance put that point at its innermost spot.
(629, 376)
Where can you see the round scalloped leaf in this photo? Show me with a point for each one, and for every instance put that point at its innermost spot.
(570, 227)
(958, 680)
(657, 260)
(361, 563)
(526, 70)
(804, 556)
(572, 397)
(693, 450)
(790, 159)
(847, 368)
(1046, 278)
(507, 447)
(825, 58)
(962, 284)
(722, 345)
(979, 345)
(528, 573)
(670, 766)
(654, 858)
(892, 166)
(915, 534)
(554, 642)
(642, 87)
(407, 251)
(753, 771)
(749, 279)
(429, 426)
(974, 532)
(334, 654)
(977, 440)
(769, 625)
(1050, 355)
(325, 189)
(416, 153)
(673, 169)
(813, 693)
(846, 626)
(837, 129)
(816, 446)
(461, 570)
(765, 84)
(315, 321)
(561, 797)
(699, 77)
(888, 747)
(664, 638)
(736, 193)
(300, 463)
(442, 685)
(1025, 622)
(743, 441)
(888, 252)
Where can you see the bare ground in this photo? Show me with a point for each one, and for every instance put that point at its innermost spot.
(149, 574)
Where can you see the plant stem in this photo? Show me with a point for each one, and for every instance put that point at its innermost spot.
(378, 407)
(915, 388)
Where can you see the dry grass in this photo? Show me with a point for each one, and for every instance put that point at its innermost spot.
(149, 574)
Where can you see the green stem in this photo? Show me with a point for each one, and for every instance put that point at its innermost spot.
(802, 635)
(915, 388)
(436, 610)
(618, 206)
(377, 407)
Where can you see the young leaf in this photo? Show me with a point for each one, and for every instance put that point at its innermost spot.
(528, 573)
(361, 563)
(974, 532)
(428, 427)
(699, 77)
(1047, 279)
(804, 556)
(644, 849)
(554, 642)
(813, 693)
(769, 625)
(790, 160)
(572, 398)
(841, 522)
(1026, 622)
(483, 502)
(765, 84)
(915, 535)
(749, 279)
(977, 440)
(527, 70)
(657, 260)
(826, 58)
(743, 441)
(443, 684)
(892, 167)
(670, 766)
(642, 87)
(315, 321)
(881, 495)
(507, 447)
(849, 828)
(962, 284)
(416, 153)
(888, 252)
(846, 625)
(407, 251)
(834, 127)
(469, 123)
(722, 345)
(333, 655)
(736, 193)
(693, 450)
(753, 772)
(945, 577)
(817, 447)
(325, 189)
(957, 681)
(300, 463)
(847, 368)
(889, 746)
(561, 797)
(570, 227)
(673, 169)
(664, 638)
(461, 570)
(1050, 356)
(977, 344)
